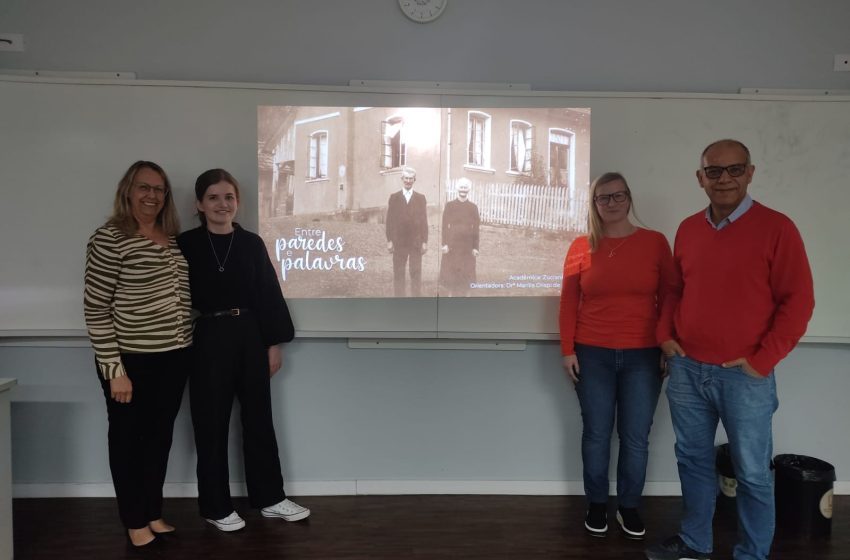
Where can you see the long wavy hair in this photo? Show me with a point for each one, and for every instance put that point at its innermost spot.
(122, 212)
(594, 220)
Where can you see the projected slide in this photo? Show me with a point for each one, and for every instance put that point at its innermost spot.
(421, 201)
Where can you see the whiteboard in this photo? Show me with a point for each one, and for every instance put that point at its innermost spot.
(65, 143)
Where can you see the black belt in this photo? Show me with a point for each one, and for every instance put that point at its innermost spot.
(235, 312)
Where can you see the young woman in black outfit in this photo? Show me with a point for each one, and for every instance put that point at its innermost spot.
(243, 319)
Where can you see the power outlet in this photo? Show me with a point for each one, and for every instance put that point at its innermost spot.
(13, 42)
(842, 63)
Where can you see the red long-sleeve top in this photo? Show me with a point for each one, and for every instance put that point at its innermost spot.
(612, 297)
(747, 289)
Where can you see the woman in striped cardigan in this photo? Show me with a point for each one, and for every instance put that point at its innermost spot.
(137, 308)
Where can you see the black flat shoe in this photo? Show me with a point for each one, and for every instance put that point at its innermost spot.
(166, 536)
(155, 546)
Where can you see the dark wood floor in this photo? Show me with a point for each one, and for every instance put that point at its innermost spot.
(387, 527)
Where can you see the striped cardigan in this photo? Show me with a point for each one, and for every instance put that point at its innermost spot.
(136, 297)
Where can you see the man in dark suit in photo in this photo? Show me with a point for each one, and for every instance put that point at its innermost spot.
(407, 234)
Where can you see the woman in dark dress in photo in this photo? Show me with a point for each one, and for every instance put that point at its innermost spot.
(242, 320)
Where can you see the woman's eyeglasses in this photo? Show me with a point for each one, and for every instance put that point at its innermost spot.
(144, 188)
(605, 199)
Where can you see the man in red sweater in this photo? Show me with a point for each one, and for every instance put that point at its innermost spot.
(746, 299)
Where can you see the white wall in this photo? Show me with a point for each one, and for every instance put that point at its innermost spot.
(393, 420)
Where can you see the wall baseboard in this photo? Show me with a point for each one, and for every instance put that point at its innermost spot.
(366, 487)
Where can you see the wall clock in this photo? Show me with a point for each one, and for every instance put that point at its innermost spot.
(422, 11)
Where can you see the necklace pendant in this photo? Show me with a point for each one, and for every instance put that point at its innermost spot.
(227, 255)
(611, 254)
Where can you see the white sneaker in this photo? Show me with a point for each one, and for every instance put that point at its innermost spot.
(286, 510)
(230, 523)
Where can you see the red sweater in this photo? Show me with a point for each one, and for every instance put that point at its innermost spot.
(746, 289)
(613, 301)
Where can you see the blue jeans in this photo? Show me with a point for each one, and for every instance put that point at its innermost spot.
(701, 394)
(625, 384)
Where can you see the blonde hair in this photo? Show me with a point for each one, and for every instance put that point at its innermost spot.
(122, 212)
(594, 220)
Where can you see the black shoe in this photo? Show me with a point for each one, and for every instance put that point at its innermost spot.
(152, 548)
(596, 521)
(630, 523)
(674, 548)
(167, 536)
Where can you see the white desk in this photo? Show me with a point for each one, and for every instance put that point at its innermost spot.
(5, 470)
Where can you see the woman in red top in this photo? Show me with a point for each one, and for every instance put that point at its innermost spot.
(615, 279)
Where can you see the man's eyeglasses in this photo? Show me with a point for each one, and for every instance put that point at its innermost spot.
(716, 171)
(605, 199)
(144, 188)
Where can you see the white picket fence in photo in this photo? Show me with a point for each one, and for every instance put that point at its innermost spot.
(528, 206)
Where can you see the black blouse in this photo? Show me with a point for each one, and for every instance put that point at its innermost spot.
(248, 281)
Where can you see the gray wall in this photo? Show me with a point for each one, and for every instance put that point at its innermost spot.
(418, 417)
(601, 45)
(411, 420)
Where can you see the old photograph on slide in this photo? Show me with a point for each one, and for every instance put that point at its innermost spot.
(421, 201)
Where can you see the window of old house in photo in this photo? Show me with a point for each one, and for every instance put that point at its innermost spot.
(478, 139)
(560, 142)
(521, 140)
(318, 155)
(394, 149)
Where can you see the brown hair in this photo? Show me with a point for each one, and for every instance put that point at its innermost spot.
(209, 178)
(122, 212)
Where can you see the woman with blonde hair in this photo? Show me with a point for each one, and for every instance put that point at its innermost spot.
(615, 280)
(137, 309)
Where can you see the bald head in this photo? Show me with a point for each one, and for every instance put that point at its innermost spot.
(726, 143)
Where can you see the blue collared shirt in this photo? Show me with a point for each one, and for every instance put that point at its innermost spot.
(745, 205)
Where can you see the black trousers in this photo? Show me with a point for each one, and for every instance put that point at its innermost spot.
(231, 361)
(402, 256)
(140, 431)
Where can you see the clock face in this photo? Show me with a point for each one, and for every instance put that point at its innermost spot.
(422, 11)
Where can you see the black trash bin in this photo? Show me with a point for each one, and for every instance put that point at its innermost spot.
(727, 484)
(804, 495)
